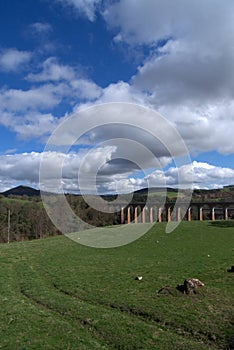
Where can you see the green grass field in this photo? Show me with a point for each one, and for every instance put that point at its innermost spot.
(57, 294)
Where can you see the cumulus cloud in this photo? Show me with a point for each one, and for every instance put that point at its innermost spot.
(31, 125)
(148, 22)
(138, 128)
(77, 87)
(84, 89)
(123, 92)
(27, 112)
(52, 71)
(20, 167)
(36, 125)
(208, 176)
(188, 74)
(12, 60)
(24, 168)
(206, 128)
(42, 97)
(204, 176)
(30, 112)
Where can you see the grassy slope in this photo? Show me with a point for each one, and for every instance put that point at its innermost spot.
(56, 294)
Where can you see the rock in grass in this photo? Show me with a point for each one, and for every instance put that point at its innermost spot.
(190, 286)
(138, 278)
(231, 269)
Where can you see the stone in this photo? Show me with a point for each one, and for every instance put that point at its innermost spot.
(190, 286)
(231, 269)
(138, 278)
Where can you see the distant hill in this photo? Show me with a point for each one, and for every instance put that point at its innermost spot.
(156, 190)
(227, 192)
(21, 191)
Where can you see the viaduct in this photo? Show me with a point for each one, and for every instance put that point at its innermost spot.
(140, 213)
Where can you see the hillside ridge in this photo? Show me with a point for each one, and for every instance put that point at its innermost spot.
(225, 192)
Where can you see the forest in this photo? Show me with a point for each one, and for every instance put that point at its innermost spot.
(25, 218)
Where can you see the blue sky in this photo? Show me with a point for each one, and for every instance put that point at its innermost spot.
(176, 58)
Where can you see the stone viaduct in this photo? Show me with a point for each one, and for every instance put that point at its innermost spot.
(139, 213)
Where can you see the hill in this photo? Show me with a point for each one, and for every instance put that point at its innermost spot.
(21, 191)
(56, 294)
(227, 192)
(156, 190)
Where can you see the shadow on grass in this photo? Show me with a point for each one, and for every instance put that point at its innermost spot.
(223, 224)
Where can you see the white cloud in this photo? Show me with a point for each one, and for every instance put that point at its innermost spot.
(13, 59)
(42, 97)
(206, 128)
(27, 112)
(85, 89)
(24, 168)
(52, 71)
(123, 92)
(209, 176)
(204, 176)
(84, 7)
(147, 22)
(31, 125)
(36, 125)
(30, 112)
(20, 167)
(188, 74)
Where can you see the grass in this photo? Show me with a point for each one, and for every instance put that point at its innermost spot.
(110, 236)
(57, 294)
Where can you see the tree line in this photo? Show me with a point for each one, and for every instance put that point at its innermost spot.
(29, 219)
